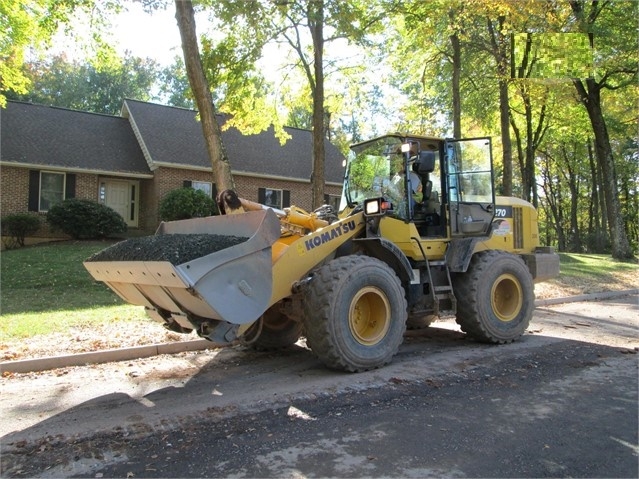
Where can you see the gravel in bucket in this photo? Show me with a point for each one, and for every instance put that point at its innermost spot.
(174, 248)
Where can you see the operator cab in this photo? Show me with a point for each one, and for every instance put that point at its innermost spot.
(443, 186)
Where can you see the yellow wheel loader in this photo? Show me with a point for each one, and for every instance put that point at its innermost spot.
(419, 233)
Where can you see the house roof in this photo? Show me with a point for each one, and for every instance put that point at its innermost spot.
(60, 138)
(173, 136)
(145, 137)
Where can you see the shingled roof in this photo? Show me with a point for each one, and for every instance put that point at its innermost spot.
(173, 137)
(52, 137)
(145, 137)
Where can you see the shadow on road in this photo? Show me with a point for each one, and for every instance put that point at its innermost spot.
(134, 399)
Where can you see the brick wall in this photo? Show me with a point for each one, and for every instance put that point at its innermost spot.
(14, 185)
(167, 179)
(14, 188)
(301, 196)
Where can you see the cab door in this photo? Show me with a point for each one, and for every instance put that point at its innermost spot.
(471, 192)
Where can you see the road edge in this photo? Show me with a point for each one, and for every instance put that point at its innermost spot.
(138, 352)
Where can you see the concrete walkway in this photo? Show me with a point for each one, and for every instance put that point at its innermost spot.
(127, 354)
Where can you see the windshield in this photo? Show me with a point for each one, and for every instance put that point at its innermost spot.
(370, 170)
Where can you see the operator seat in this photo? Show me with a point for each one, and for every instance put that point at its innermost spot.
(429, 221)
(424, 165)
(426, 162)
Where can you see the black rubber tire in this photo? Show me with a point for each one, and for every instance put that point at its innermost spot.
(277, 331)
(420, 321)
(355, 313)
(495, 297)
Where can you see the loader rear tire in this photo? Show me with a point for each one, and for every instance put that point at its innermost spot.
(276, 331)
(355, 313)
(495, 297)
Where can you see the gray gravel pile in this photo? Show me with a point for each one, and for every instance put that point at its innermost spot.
(174, 248)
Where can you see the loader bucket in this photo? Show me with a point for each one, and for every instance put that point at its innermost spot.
(233, 284)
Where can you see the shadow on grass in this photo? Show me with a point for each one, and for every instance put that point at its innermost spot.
(52, 277)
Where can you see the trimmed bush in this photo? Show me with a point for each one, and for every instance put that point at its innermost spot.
(85, 219)
(186, 203)
(17, 227)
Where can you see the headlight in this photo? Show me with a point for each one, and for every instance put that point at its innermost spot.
(372, 207)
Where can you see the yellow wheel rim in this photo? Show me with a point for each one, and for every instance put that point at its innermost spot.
(369, 316)
(506, 297)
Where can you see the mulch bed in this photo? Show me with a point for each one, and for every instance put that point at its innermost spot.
(174, 248)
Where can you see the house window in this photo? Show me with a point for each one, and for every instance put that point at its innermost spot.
(274, 197)
(47, 188)
(205, 186)
(332, 200)
(51, 189)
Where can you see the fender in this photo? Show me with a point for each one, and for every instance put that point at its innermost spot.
(390, 254)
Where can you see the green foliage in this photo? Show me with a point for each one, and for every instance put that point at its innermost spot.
(17, 227)
(84, 219)
(174, 85)
(185, 203)
(97, 86)
(32, 24)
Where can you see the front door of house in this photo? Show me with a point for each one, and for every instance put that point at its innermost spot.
(121, 197)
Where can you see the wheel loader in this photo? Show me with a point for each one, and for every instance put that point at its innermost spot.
(419, 234)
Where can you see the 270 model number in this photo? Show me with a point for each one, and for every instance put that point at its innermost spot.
(503, 212)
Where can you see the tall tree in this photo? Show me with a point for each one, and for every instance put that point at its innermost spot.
(529, 141)
(613, 72)
(324, 21)
(31, 24)
(312, 15)
(499, 44)
(306, 27)
(185, 16)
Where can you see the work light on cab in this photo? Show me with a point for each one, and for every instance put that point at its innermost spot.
(376, 207)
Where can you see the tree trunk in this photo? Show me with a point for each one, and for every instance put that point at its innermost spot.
(552, 190)
(316, 24)
(590, 96)
(185, 16)
(455, 44)
(597, 226)
(573, 184)
(498, 43)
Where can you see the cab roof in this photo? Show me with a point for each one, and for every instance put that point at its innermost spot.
(403, 138)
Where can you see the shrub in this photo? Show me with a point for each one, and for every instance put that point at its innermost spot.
(185, 203)
(17, 227)
(85, 219)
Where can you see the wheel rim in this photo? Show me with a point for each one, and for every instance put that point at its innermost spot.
(369, 316)
(506, 297)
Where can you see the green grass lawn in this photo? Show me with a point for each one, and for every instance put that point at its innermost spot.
(581, 268)
(46, 288)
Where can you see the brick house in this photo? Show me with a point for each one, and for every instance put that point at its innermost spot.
(130, 162)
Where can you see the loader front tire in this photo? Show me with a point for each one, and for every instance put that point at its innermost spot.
(495, 297)
(355, 313)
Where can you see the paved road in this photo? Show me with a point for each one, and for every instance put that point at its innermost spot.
(560, 403)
